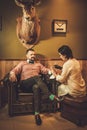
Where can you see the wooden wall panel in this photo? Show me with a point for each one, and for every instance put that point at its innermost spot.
(7, 65)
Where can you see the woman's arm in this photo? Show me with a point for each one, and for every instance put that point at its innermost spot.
(65, 72)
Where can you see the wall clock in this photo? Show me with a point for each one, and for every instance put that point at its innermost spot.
(59, 26)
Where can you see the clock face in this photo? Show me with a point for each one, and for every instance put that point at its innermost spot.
(59, 26)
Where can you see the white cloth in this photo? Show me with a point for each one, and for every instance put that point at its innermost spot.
(52, 77)
(49, 72)
(71, 79)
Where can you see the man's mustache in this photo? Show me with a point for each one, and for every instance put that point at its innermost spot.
(33, 57)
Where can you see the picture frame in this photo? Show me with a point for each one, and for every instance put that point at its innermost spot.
(59, 26)
(0, 23)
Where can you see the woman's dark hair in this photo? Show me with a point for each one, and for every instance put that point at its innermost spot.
(66, 51)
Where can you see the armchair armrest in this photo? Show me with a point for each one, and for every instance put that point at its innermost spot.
(5, 81)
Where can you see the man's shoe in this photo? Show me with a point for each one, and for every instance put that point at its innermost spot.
(38, 119)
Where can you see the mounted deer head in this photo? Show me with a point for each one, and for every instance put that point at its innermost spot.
(28, 26)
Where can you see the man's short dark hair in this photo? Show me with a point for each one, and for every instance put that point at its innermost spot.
(30, 49)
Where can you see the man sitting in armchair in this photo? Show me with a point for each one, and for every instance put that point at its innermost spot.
(31, 80)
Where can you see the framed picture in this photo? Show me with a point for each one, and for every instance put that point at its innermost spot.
(59, 26)
(0, 23)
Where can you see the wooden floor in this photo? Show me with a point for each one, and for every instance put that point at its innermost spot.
(50, 122)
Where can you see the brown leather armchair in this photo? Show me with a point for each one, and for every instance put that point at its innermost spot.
(22, 103)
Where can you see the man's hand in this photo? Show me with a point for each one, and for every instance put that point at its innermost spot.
(12, 77)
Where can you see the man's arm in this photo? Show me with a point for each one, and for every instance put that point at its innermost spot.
(12, 76)
(15, 71)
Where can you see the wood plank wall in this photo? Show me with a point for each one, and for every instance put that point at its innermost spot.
(7, 65)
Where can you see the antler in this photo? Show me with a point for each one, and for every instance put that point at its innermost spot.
(19, 3)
